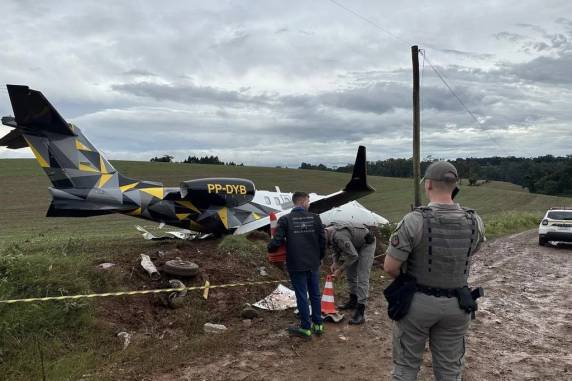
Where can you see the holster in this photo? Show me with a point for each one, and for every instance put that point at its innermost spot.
(399, 295)
(468, 299)
(465, 299)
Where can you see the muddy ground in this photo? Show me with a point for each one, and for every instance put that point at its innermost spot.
(523, 329)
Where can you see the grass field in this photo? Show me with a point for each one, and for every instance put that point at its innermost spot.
(51, 256)
(24, 198)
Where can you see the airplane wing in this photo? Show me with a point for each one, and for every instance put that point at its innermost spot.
(356, 188)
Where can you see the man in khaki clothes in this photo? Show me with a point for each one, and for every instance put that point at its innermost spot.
(354, 248)
(434, 244)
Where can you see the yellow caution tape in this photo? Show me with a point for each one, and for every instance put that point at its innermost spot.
(206, 291)
(206, 287)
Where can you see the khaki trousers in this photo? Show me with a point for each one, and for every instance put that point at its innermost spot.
(440, 320)
(358, 273)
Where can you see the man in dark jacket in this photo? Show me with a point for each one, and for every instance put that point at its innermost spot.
(305, 248)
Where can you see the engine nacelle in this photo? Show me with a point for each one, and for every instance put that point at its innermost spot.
(227, 192)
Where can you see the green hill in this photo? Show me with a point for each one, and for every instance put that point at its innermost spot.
(24, 198)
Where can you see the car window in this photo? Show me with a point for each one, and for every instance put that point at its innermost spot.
(560, 215)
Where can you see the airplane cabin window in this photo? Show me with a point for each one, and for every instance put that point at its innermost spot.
(277, 200)
(267, 200)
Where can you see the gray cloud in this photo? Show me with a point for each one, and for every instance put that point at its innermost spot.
(306, 80)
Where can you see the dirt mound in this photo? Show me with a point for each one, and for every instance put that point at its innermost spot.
(179, 333)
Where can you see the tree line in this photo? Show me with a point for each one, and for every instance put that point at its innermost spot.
(544, 174)
(195, 160)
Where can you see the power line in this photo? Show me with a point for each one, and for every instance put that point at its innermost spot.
(373, 23)
(479, 123)
(440, 75)
(442, 78)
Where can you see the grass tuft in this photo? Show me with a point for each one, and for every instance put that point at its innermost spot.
(510, 222)
(242, 246)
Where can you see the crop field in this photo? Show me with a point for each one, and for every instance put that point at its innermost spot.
(42, 256)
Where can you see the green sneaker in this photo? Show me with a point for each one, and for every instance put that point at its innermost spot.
(317, 329)
(300, 332)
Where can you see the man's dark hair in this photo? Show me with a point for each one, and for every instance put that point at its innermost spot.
(298, 196)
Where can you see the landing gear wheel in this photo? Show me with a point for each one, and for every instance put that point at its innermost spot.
(180, 267)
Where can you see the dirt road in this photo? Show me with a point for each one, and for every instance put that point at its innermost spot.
(523, 329)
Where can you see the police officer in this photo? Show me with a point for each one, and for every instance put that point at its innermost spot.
(305, 247)
(434, 244)
(354, 248)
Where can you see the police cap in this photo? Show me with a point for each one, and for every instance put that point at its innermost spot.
(441, 171)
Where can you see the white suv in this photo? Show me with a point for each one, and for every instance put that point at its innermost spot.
(555, 226)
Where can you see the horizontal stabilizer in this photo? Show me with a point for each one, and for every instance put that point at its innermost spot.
(34, 113)
(55, 212)
(13, 140)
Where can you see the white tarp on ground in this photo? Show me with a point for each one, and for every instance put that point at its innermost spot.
(280, 299)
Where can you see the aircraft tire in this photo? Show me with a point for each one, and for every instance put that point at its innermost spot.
(180, 267)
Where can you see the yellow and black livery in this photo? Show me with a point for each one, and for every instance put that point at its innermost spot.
(85, 184)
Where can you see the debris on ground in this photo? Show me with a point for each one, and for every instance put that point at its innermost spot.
(280, 299)
(126, 337)
(174, 299)
(147, 265)
(262, 271)
(105, 266)
(248, 312)
(247, 322)
(333, 317)
(214, 328)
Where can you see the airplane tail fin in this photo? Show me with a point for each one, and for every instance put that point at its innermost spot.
(356, 188)
(65, 154)
(358, 182)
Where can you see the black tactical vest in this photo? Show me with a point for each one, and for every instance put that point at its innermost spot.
(444, 256)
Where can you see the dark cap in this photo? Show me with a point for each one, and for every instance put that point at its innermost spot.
(441, 171)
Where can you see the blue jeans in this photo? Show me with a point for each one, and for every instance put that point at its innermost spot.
(304, 283)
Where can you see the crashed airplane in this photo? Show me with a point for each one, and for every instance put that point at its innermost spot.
(85, 184)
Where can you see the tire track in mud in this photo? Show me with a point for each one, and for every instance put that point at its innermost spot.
(524, 325)
(523, 329)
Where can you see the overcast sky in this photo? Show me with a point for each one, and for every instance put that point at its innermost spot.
(281, 82)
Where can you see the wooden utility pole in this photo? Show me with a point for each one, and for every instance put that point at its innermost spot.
(416, 126)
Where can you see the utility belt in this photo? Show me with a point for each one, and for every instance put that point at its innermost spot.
(466, 297)
(438, 292)
(399, 295)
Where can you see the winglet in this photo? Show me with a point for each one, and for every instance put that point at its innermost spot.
(358, 183)
(34, 113)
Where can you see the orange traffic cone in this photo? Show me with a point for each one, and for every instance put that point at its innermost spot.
(278, 256)
(328, 304)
